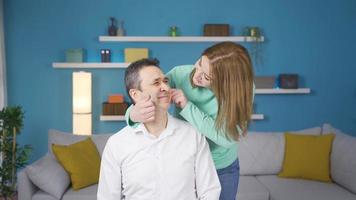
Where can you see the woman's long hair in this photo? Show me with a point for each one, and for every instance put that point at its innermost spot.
(232, 75)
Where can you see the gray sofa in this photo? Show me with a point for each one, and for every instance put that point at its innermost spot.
(261, 156)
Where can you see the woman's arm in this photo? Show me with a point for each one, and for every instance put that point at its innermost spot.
(205, 125)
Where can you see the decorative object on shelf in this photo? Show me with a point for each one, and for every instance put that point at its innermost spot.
(265, 82)
(105, 55)
(116, 98)
(75, 55)
(13, 156)
(82, 124)
(255, 34)
(173, 31)
(120, 30)
(253, 31)
(134, 54)
(112, 29)
(114, 108)
(288, 81)
(216, 30)
(115, 105)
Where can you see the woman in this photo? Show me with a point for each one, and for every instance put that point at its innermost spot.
(215, 96)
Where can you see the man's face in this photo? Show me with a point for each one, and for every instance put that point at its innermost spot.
(155, 84)
(201, 77)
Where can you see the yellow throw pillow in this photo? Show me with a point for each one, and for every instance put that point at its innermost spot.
(81, 160)
(307, 157)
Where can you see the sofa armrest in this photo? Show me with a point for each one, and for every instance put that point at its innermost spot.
(25, 188)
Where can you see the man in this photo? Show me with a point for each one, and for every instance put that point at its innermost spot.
(164, 159)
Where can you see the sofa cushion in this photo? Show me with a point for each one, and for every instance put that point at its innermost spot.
(343, 162)
(47, 168)
(297, 189)
(41, 195)
(261, 153)
(64, 138)
(88, 193)
(251, 189)
(307, 156)
(81, 160)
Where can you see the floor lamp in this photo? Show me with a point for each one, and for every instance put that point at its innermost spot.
(82, 116)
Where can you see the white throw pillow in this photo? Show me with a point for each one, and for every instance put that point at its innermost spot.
(48, 175)
(343, 158)
(262, 153)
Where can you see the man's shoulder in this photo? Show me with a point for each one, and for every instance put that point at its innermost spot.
(121, 136)
(183, 126)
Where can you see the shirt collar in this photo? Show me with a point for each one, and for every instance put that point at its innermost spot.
(171, 126)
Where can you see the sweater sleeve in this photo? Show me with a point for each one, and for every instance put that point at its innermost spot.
(172, 77)
(128, 120)
(205, 125)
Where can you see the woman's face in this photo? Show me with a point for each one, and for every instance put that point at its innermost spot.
(201, 77)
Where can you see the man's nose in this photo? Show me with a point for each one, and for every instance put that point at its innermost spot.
(164, 87)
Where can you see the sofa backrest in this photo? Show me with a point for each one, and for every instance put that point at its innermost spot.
(64, 138)
(262, 153)
(343, 158)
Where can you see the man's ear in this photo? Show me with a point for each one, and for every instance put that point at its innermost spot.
(135, 94)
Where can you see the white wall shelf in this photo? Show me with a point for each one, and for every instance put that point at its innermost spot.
(258, 117)
(177, 39)
(65, 65)
(112, 117)
(283, 91)
(122, 117)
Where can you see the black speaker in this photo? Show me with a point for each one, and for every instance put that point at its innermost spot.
(105, 55)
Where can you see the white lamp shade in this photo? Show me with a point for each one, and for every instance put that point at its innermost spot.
(81, 92)
(82, 124)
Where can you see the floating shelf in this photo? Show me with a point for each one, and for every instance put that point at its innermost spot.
(283, 91)
(122, 117)
(112, 117)
(177, 39)
(258, 117)
(64, 65)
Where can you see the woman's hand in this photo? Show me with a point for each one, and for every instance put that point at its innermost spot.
(143, 111)
(178, 97)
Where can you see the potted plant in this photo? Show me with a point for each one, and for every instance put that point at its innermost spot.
(255, 34)
(12, 155)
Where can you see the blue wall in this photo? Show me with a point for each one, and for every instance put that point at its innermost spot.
(312, 38)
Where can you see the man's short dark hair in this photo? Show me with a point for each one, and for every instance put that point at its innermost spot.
(132, 76)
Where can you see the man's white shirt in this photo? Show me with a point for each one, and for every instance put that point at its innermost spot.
(177, 165)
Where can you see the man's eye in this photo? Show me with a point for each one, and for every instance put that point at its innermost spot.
(165, 81)
(156, 83)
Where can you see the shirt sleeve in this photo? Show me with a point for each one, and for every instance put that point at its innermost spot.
(205, 125)
(206, 178)
(109, 187)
